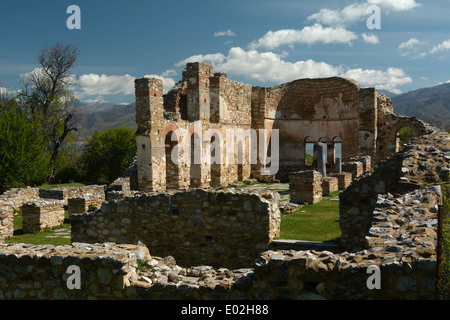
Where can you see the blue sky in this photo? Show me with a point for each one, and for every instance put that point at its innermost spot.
(258, 42)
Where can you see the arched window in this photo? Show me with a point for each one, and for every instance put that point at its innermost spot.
(337, 142)
(196, 160)
(402, 137)
(309, 151)
(172, 160)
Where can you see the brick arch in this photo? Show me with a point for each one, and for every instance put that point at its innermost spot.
(416, 126)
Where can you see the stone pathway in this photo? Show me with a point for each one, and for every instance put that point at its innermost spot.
(60, 233)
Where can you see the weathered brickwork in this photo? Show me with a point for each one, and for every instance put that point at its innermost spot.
(355, 168)
(329, 185)
(223, 228)
(40, 214)
(333, 111)
(305, 187)
(82, 205)
(65, 193)
(344, 179)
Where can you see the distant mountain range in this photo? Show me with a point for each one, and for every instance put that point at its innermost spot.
(104, 115)
(424, 104)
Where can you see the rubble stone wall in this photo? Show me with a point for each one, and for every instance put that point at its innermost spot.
(40, 214)
(222, 228)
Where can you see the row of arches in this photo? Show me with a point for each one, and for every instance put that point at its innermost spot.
(333, 149)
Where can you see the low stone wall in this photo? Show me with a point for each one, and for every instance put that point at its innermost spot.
(41, 272)
(344, 179)
(329, 185)
(65, 193)
(119, 195)
(82, 205)
(218, 228)
(305, 187)
(422, 163)
(6, 223)
(38, 215)
(356, 168)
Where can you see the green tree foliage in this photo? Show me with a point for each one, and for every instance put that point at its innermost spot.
(46, 94)
(107, 154)
(24, 155)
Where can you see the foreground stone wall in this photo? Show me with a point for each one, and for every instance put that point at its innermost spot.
(424, 162)
(40, 272)
(218, 228)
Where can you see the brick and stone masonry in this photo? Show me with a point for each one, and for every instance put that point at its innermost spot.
(199, 226)
(344, 179)
(329, 185)
(305, 186)
(38, 215)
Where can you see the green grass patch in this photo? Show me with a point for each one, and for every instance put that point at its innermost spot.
(47, 186)
(317, 222)
(42, 237)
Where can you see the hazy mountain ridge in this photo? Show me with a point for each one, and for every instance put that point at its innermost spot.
(105, 115)
(425, 103)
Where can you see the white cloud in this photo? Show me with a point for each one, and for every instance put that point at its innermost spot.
(94, 85)
(308, 35)
(357, 11)
(395, 5)
(272, 67)
(227, 33)
(370, 38)
(387, 80)
(441, 47)
(413, 48)
(209, 58)
(170, 72)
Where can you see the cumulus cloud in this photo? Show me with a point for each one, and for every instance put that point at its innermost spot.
(308, 35)
(387, 80)
(208, 58)
(273, 68)
(370, 38)
(444, 46)
(227, 33)
(96, 85)
(357, 11)
(413, 48)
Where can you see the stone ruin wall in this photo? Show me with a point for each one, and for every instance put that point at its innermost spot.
(397, 235)
(213, 103)
(38, 206)
(222, 228)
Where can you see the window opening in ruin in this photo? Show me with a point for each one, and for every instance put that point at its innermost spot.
(337, 142)
(215, 164)
(172, 170)
(402, 137)
(195, 169)
(325, 147)
(309, 151)
(240, 161)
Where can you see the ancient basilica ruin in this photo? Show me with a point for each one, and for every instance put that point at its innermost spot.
(200, 239)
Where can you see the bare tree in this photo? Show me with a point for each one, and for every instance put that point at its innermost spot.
(46, 92)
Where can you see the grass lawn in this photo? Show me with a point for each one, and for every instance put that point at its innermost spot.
(52, 186)
(48, 236)
(318, 222)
